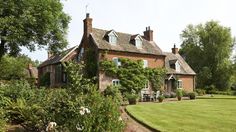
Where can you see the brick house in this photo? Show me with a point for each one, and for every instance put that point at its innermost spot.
(113, 45)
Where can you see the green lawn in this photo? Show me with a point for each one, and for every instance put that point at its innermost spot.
(201, 115)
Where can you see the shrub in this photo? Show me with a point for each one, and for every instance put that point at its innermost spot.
(2, 121)
(114, 92)
(210, 89)
(201, 92)
(173, 95)
(192, 95)
(167, 95)
(161, 98)
(185, 93)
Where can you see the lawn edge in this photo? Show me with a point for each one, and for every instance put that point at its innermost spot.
(142, 123)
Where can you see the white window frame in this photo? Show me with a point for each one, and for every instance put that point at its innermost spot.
(116, 61)
(145, 63)
(115, 82)
(138, 43)
(179, 84)
(177, 66)
(112, 37)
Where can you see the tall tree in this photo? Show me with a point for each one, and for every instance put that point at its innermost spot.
(32, 23)
(207, 48)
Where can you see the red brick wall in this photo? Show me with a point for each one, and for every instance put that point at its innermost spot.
(188, 82)
(153, 61)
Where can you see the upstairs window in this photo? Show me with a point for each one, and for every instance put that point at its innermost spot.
(138, 43)
(112, 37)
(115, 82)
(145, 63)
(177, 66)
(116, 61)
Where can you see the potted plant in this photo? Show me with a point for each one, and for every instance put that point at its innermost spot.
(161, 98)
(179, 94)
(132, 98)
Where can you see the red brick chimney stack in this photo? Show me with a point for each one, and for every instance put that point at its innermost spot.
(87, 25)
(175, 50)
(148, 34)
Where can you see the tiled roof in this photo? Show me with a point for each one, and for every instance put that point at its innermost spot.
(184, 67)
(123, 43)
(58, 57)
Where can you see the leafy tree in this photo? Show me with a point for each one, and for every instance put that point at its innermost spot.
(14, 68)
(30, 22)
(207, 49)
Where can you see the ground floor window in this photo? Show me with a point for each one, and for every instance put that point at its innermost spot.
(115, 82)
(180, 84)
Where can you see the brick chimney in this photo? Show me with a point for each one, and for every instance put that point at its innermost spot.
(148, 34)
(30, 66)
(175, 50)
(87, 25)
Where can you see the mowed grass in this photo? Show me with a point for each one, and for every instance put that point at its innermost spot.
(201, 115)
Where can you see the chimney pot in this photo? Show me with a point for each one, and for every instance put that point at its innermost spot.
(175, 50)
(148, 34)
(87, 15)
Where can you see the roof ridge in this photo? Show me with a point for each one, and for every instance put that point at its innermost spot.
(117, 31)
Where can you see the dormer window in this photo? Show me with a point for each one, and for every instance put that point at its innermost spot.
(112, 37)
(137, 41)
(174, 64)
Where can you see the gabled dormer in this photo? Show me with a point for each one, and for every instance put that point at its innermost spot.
(137, 41)
(112, 37)
(174, 64)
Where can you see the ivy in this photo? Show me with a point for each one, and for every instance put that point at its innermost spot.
(133, 76)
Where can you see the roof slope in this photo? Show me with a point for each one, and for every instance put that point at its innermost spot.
(58, 57)
(184, 67)
(124, 43)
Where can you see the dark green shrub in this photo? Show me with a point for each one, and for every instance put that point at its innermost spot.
(201, 92)
(114, 92)
(167, 95)
(211, 89)
(2, 121)
(173, 95)
(161, 98)
(185, 93)
(192, 95)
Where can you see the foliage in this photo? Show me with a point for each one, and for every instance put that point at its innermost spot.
(79, 106)
(207, 48)
(45, 79)
(30, 22)
(113, 92)
(161, 98)
(2, 121)
(192, 95)
(14, 68)
(201, 92)
(132, 75)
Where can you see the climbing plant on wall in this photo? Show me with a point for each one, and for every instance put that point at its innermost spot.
(132, 75)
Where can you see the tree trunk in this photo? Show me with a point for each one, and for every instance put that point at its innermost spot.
(2, 48)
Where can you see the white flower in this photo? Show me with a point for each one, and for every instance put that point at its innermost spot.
(84, 110)
(87, 110)
(79, 127)
(120, 119)
(50, 126)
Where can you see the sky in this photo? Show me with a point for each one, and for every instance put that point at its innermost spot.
(167, 18)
